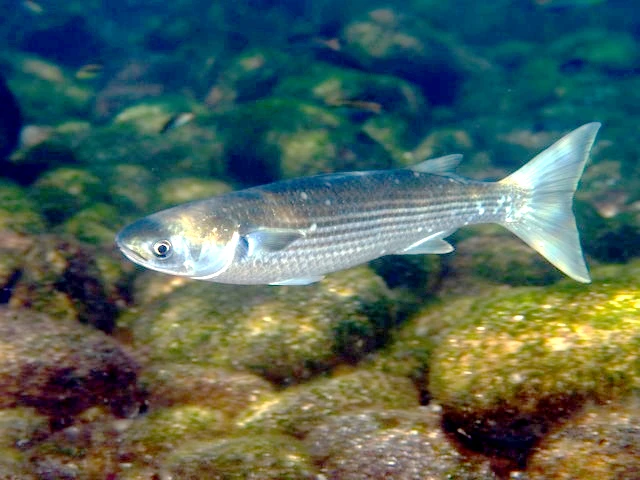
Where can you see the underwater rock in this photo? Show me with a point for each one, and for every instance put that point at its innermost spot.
(148, 438)
(256, 457)
(407, 444)
(63, 191)
(29, 163)
(120, 148)
(278, 138)
(389, 42)
(64, 279)
(19, 214)
(602, 442)
(62, 368)
(187, 384)
(363, 94)
(610, 51)
(298, 410)
(520, 361)
(96, 224)
(285, 334)
(48, 94)
(251, 75)
(21, 427)
(186, 189)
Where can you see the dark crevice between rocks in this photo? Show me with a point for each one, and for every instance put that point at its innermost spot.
(7, 289)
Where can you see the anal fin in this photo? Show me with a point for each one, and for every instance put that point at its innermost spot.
(433, 244)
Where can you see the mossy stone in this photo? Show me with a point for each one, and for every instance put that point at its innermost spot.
(299, 409)
(18, 212)
(62, 192)
(186, 189)
(538, 353)
(96, 224)
(285, 334)
(256, 457)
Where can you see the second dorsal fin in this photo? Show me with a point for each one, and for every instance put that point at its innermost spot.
(439, 166)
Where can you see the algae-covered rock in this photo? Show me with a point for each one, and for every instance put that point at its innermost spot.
(353, 89)
(62, 192)
(600, 443)
(186, 384)
(378, 444)
(21, 427)
(189, 150)
(257, 457)
(281, 137)
(13, 466)
(520, 360)
(186, 189)
(62, 277)
(61, 368)
(599, 48)
(250, 75)
(162, 431)
(96, 224)
(131, 187)
(299, 409)
(152, 115)
(84, 450)
(389, 42)
(18, 212)
(46, 92)
(284, 334)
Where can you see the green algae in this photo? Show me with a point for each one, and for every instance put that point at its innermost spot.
(539, 353)
(163, 431)
(299, 409)
(65, 190)
(256, 457)
(283, 334)
(18, 212)
(186, 189)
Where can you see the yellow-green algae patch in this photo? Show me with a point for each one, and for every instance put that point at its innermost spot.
(298, 409)
(283, 334)
(534, 354)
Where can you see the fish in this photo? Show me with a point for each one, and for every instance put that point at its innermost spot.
(296, 231)
(89, 71)
(177, 120)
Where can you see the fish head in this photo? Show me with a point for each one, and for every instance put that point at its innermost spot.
(179, 243)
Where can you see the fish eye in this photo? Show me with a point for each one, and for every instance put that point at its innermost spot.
(162, 248)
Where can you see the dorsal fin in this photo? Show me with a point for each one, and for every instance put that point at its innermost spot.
(439, 166)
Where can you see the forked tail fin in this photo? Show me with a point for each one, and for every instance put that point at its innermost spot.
(548, 224)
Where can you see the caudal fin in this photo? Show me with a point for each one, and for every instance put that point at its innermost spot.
(547, 223)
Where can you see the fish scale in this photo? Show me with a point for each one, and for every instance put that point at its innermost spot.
(296, 231)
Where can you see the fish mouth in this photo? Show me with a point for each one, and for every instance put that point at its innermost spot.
(128, 252)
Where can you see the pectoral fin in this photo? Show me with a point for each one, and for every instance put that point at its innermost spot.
(433, 244)
(270, 239)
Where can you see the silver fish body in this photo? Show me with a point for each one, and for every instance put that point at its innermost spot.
(294, 232)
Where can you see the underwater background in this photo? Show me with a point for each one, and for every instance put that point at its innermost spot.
(486, 363)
